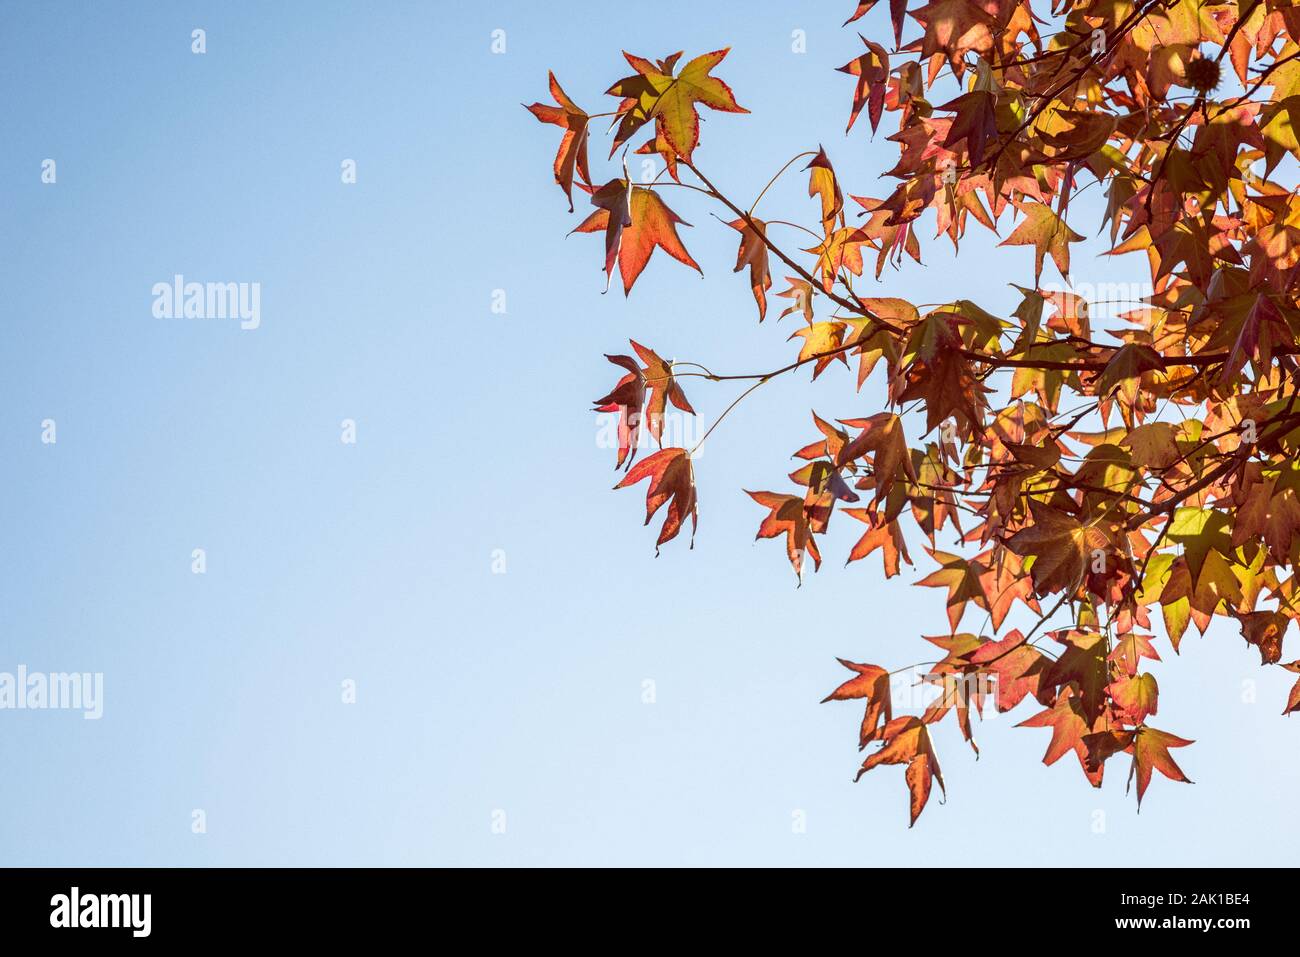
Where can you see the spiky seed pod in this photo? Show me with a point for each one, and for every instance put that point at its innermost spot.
(1203, 74)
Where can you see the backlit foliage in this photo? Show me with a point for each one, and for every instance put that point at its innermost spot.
(1120, 484)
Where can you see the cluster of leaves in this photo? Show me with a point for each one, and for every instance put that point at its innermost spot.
(1101, 481)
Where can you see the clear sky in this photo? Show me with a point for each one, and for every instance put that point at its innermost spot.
(373, 562)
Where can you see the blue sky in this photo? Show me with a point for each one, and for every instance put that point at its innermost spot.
(373, 562)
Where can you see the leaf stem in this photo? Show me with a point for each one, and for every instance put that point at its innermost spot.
(771, 181)
(716, 422)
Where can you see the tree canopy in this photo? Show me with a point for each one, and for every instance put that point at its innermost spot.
(1118, 483)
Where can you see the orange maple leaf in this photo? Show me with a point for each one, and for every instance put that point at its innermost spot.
(573, 145)
(654, 93)
(672, 483)
(635, 221)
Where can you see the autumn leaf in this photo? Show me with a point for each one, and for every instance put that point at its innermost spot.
(1082, 664)
(1059, 546)
(880, 534)
(1130, 650)
(614, 214)
(672, 483)
(821, 344)
(1202, 532)
(882, 437)
(975, 124)
(907, 741)
(825, 486)
(1125, 368)
(1262, 332)
(662, 385)
(872, 71)
(1152, 446)
(938, 374)
(1151, 751)
(1019, 668)
(573, 145)
(872, 683)
(789, 518)
(635, 221)
(838, 253)
(801, 292)
(1004, 581)
(627, 399)
(753, 253)
(954, 28)
(653, 92)
(1047, 233)
(1136, 697)
(1070, 726)
(1265, 630)
(822, 183)
(828, 447)
(962, 579)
